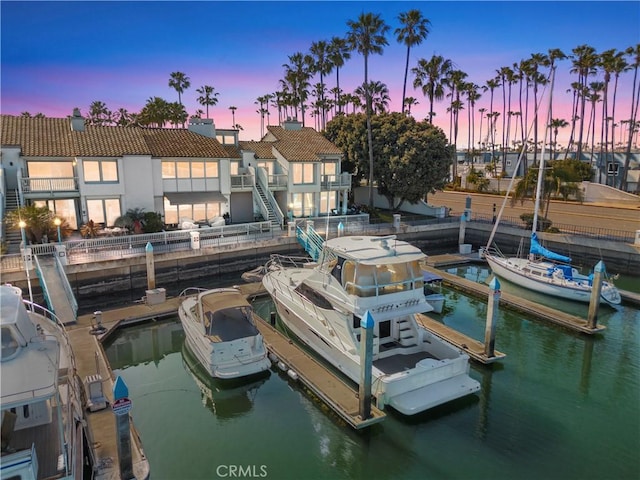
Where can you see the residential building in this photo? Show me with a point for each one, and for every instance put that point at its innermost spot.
(84, 172)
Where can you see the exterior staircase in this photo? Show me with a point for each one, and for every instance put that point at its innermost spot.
(12, 238)
(272, 216)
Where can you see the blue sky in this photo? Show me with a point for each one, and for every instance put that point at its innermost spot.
(59, 55)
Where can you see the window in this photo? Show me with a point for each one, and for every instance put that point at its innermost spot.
(168, 170)
(100, 171)
(303, 173)
(212, 169)
(302, 204)
(268, 166)
(104, 210)
(235, 168)
(65, 208)
(50, 169)
(183, 170)
(327, 201)
(9, 343)
(197, 169)
(330, 168)
(200, 211)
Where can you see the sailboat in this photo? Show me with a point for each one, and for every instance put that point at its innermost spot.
(545, 271)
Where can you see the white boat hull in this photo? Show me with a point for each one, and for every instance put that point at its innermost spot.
(425, 384)
(512, 269)
(237, 358)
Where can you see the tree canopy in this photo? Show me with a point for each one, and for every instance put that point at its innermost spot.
(411, 159)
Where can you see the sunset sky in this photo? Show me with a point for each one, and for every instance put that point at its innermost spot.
(59, 55)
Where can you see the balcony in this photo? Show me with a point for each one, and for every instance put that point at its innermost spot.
(336, 182)
(50, 187)
(278, 181)
(242, 183)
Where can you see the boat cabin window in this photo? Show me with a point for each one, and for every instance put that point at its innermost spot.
(313, 296)
(10, 344)
(372, 280)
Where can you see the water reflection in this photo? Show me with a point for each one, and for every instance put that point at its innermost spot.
(225, 398)
(152, 342)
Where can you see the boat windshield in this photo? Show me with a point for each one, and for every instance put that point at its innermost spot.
(372, 280)
(9, 343)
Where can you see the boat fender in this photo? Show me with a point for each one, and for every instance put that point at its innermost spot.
(282, 366)
(293, 375)
(273, 358)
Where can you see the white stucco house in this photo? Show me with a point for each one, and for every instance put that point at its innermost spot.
(85, 172)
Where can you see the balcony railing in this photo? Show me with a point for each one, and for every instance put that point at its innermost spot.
(50, 186)
(242, 182)
(342, 180)
(278, 180)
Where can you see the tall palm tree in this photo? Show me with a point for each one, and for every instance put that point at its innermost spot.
(430, 77)
(414, 30)
(179, 82)
(156, 112)
(491, 85)
(367, 37)
(338, 53)
(297, 76)
(554, 54)
(321, 65)
(593, 96)
(584, 60)
(616, 64)
(208, 97)
(634, 52)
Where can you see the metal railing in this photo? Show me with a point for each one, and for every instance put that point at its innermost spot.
(278, 180)
(341, 180)
(49, 185)
(242, 182)
(67, 287)
(578, 230)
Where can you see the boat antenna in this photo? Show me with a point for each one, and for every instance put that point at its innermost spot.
(541, 166)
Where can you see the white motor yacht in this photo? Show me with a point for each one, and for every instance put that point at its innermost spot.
(323, 303)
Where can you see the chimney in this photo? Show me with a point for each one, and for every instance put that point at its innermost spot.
(202, 126)
(77, 121)
(291, 124)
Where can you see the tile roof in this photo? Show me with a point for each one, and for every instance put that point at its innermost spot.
(232, 151)
(261, 149)
(53, 137)
(302, 145)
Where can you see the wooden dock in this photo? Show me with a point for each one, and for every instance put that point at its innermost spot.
(472, 347)
(514, 302)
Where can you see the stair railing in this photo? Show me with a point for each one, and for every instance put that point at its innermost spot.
(263, 180)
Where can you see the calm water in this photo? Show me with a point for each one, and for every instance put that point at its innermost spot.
(559, 406)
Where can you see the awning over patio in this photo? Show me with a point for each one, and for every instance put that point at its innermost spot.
(194, 198)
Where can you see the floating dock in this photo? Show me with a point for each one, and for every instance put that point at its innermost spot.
(473, 348)
(514, 302)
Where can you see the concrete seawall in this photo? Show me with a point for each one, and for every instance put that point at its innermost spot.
(102, 284)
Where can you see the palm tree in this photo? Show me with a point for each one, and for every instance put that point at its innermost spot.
(430, 76)
(585, 61)
(208, 97)
(123, 118)
(409, 102)
(491, 85)
(296, 80)
(179, 82)
(338, 53)
(554, 54)
(414, 30)
(634, 52)
(155, 112)
(617, 65)
(233, 114)
(322, 65)
(99, 114)
(367, 37)
(379, 94)
(556, 124)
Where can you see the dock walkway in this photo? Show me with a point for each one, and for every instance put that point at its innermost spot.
(533, 309)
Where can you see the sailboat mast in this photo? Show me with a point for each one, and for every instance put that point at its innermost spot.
(541, 166)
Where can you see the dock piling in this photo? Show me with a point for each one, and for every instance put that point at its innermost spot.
(366, 364)
(492, 315)
(151, 271)
(594, 301)
(121, 407)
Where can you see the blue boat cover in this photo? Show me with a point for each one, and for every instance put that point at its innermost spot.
(538, 249)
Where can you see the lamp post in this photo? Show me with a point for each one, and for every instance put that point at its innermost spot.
(22, 224)
(57, 223)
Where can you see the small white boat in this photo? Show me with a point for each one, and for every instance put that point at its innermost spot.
(323, 304)
(432, 291)
(220, 331)
(42, 415)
